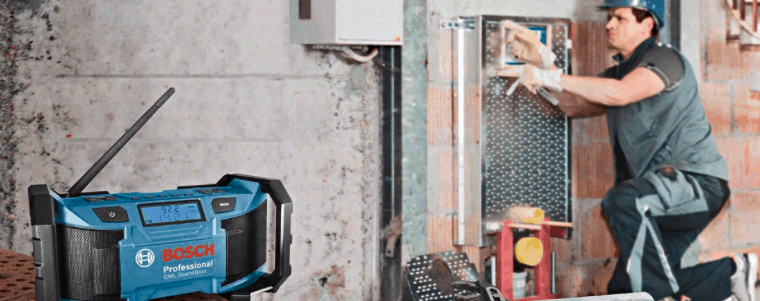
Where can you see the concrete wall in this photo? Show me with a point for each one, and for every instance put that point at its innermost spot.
(78, 74)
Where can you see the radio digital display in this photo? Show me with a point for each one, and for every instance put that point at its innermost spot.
(171, 213)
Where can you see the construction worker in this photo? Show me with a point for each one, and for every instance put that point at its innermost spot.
(670, 180)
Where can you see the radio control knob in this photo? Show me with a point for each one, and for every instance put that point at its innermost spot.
(115, 214)
(220, 205)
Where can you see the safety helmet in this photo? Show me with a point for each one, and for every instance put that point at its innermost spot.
(656, 7)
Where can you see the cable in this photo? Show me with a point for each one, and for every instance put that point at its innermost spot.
(362, 59)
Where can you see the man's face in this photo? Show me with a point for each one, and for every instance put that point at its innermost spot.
(623, 32)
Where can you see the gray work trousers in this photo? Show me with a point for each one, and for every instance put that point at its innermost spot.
(654, 219)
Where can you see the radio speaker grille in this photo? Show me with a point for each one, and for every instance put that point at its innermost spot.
(89, 266)
(246, 243)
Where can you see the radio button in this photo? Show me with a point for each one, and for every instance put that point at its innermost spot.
(115, 214)
(93, 199)
(223, 205)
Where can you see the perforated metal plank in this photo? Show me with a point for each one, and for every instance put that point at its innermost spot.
(527, 140)
(511, 150)
(430, 276)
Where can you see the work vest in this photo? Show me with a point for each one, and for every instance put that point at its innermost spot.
(669, 128)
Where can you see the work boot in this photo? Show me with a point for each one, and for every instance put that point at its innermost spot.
(743, 281)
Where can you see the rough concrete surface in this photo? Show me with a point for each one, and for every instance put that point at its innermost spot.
(77, 74)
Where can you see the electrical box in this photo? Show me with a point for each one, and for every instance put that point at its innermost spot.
(347, 22)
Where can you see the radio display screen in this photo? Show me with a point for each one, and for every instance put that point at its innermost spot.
(171, 213)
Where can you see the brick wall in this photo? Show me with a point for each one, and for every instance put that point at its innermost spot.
(585, 263)
(732, 105)
(590, 256)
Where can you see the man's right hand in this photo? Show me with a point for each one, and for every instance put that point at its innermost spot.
(526, 46)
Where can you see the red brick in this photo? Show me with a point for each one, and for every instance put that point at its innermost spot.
(716, 47)
(751, 60)
(746, 110)
(593, 170)
(745, 219)
(442, 198)
(595, 56)
(439, 116)
(742, 156)
(585, 279)
(567, 249)
(589, 130)
(721, 72)
(712, 255)
(598, 240)
(716, 235)
(716, 98)
(440, 233)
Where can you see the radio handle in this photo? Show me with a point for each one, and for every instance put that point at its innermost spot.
(44, 243)
(284, 238)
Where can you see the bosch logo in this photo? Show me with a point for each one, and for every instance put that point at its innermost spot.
(144, 258)
(188, 252)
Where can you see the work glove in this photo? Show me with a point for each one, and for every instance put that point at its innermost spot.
(483, 291)
(531, 76)
(527, 46)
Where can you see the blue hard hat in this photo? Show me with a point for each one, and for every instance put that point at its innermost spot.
(656, 7)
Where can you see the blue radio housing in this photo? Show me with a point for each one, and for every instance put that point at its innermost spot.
(205, 238)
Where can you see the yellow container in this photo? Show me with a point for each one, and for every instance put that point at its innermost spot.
(529, 251)
(526, 215)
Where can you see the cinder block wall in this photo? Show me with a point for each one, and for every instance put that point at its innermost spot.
(78, 74)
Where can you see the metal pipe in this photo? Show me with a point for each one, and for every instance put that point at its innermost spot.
(554, 282)
(493, 270)
(460, 136)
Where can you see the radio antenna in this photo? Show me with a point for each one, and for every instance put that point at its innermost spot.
(95, 169)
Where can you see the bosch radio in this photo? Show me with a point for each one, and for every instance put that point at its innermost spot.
(142, 246)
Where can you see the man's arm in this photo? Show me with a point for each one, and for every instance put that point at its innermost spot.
(641, 83)
(575, 106)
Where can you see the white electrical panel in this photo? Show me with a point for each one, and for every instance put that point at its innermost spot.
(347, 22)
